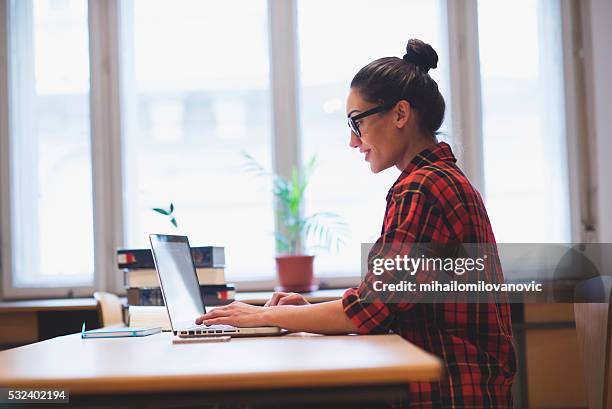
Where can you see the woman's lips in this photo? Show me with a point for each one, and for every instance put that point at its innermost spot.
(367, 155)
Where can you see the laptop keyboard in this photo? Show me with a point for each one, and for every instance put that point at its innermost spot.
(212, 329)
(208, 327)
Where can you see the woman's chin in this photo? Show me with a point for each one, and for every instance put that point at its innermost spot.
(374, 167)
(378, 166)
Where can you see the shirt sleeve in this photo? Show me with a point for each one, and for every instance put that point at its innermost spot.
(410, 216)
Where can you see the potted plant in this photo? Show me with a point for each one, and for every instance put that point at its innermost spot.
(297, 232)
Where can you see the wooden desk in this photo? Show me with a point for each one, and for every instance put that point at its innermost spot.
(112, 369)
(27, 321)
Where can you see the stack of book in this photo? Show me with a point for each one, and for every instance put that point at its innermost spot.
(144, 297)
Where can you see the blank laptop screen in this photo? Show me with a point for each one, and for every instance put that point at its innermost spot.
(178, 278)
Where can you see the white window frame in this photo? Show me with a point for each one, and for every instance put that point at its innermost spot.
(105, 156)
(106, 127)
(9, 290)
(578, 132)
(5, 216)
(465, 92)
(106, 141)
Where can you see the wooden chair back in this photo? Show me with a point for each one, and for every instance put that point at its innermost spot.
(593, 324)
(110, 309)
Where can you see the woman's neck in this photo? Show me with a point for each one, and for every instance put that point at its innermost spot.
(418, 144)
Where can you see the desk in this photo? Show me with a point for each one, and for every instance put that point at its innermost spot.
(112, 370)
(28, 321)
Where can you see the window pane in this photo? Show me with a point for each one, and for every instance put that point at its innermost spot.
(195, 96)
(333, 46)
(50, 143)
(523, 120)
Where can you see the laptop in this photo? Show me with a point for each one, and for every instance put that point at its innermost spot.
(181, 291)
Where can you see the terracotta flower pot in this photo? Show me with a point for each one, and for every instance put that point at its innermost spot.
(295, 273)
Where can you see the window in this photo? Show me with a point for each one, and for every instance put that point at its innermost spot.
(52, 222)
(193, 104)
(195, 93)
(524, 139)
(333, 47)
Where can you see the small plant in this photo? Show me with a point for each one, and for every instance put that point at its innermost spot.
(326, 229)
(168, 213)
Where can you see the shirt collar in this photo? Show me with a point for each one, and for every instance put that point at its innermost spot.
(440, 152)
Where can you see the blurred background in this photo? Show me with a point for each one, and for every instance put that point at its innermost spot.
(114, 108)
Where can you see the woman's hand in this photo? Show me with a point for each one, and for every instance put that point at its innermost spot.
(323, 318)
(237, 314)
(280, 298)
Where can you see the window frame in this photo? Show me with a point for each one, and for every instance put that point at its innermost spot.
(9, 290)
(106, 127)
(5, 229)
(103, 122)
(465, 87)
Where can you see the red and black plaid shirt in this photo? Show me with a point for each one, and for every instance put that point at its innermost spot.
(433, 202)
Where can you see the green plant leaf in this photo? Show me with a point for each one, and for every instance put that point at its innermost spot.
(295, 198)
(308, 171)
(162, 211)
(253, 166)
(327, 230)
(171, 207)
(282, 244)
(173, 221)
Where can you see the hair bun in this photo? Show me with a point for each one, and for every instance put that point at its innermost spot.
(421, 54)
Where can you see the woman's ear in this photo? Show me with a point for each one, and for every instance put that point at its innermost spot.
(403, 113)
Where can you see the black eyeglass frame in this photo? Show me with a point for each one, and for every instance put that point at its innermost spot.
(352, 120)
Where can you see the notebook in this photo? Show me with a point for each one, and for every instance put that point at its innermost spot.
(119, 332)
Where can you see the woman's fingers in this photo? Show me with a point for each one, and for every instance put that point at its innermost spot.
(293, 299)
(281, 298)
(276, 297)
(221, 321)
(217, 312)
(236, 314)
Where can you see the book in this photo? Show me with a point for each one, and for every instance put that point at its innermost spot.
(151, 316)
(115, 332)
(203, 256)
(148, 316)
(211, 295)
(147, 278)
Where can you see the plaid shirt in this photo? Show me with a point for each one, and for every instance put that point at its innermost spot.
(433, 202)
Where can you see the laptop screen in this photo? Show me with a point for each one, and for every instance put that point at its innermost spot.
(178, 279)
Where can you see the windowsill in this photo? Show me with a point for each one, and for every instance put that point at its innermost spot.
(54, 304)
(267, 286)
(58, 304)
(264, 286)
(260, 297)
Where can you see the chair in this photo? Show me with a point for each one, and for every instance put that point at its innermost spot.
(593, 324)
(110, 309)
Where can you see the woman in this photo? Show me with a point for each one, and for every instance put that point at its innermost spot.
(394, 112)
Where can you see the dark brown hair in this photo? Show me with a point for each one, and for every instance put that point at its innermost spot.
(391, 79)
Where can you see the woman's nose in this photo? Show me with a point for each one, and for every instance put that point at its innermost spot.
(354, 142)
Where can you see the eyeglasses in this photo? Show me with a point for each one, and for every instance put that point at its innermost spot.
(352, 120)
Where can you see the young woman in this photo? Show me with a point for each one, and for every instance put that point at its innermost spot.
(394, 111)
